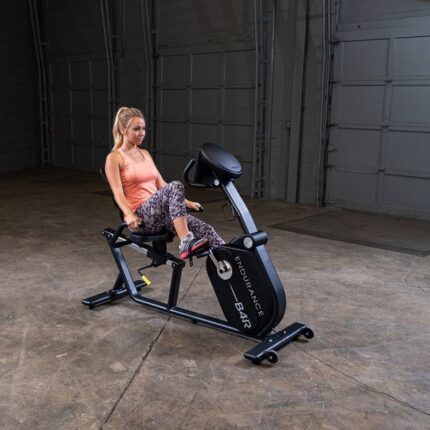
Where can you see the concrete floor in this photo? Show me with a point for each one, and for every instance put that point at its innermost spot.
(63, 366)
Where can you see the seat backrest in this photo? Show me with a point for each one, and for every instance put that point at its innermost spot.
(215, 159)
(103, 175)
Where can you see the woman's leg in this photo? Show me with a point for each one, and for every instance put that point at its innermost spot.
(181, 226)
(163, 208)
(202, 229)
(166, 209)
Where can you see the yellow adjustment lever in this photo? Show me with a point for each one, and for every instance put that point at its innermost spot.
(146, 280)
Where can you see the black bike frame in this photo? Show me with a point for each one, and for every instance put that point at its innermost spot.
(125, 285)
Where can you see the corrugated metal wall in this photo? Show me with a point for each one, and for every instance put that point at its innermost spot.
(296, 140)
(78, 82)
(205, 81)
(379, 139)
(311, 117)
(206, 88)
(79, 75)
(285, 34)
(19, 120)
(133, 23)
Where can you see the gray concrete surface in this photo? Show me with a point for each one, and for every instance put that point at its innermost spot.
(63, 366)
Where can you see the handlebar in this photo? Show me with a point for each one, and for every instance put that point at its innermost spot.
(120, 228)
(118, 231)
(215, 182)
(187, 178)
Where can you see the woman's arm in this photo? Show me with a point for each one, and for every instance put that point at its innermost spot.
(112, 168)
(193, 205)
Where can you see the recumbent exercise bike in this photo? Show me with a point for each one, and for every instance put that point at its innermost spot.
(242, 274)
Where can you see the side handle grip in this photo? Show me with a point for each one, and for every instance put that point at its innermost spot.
(118, 231)
(187, 179)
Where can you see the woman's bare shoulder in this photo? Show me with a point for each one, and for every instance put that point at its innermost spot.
(114, 156)
(114, 159)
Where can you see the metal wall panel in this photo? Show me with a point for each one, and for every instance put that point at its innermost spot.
(407, 151)
(80, 88)
(208, 100)
(78, 85)
(285, 30)
(410, 103)
(380, 119)
(311, 105)
(240, 67)
(239, 104)
(362, 59)
(19, 119)
(174, 69)
(355, 148)
(205, 104)
(79, 114)
(175, 104)
(205, 133)
(371, 10)
(206, 68)
(412, 59)
(205, 82)
(359, 103)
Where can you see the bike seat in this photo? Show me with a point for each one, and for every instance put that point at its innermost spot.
(140, 238)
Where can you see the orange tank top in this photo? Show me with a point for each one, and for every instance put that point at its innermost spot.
(138, 179)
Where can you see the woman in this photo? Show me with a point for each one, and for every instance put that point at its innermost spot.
(142, 194)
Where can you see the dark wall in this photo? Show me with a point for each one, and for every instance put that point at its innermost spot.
(78, 76)
(379, 149)
(19, 117)
(74, 30)
(78, 84)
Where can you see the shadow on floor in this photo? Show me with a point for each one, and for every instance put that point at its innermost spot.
(377, 231)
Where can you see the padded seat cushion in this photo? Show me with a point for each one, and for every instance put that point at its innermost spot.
(138, 238)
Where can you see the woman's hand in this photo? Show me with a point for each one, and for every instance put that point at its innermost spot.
(132, 221)
(195, 206)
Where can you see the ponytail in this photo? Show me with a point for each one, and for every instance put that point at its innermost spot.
(122, 121)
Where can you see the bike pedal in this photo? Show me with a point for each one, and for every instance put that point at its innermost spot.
(203, 253)
(199, 253)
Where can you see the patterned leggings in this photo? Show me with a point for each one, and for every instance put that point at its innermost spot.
(167, 204)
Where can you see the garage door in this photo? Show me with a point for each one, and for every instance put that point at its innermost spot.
(206, 97)
(379, 151)
(79, 114)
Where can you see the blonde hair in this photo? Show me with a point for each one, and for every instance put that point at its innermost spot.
(122, 120)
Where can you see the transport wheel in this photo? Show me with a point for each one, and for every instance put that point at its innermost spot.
(308, 333)
(272, 357)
